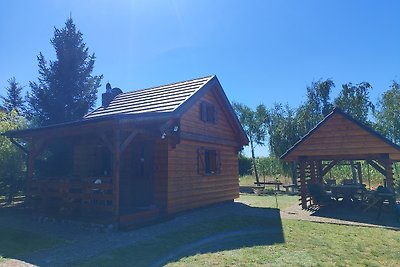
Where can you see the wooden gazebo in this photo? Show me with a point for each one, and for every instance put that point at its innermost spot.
(336, 138)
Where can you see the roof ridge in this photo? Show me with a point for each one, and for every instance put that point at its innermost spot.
(170, 84)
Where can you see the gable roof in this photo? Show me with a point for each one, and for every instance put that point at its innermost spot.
(340, 136)
(153, 104)
(160, 99)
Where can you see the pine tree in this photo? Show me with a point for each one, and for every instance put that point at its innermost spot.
(66, 90)
(13, 100)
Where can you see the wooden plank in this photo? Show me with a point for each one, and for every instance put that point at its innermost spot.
(303, 191)
(127, 141)
(116, 170)
(328, 167)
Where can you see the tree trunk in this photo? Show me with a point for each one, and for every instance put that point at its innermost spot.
(254, 162)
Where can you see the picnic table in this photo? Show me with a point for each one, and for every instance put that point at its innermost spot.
(348, 191)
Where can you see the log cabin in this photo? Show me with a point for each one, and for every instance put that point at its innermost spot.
(339, 137)
(141, 155)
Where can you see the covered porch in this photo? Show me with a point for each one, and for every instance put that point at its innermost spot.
(109, 171)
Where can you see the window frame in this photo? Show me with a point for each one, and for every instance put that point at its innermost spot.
(208, 112)
(208, 161)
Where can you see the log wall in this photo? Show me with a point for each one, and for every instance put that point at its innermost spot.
(187, 188)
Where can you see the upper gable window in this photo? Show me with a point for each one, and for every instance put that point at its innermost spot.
(208, 112)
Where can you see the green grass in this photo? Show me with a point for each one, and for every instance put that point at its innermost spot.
(302, 244)
(16, 242)
(312, 244)
(267, 201)
(150, 251)
(246, 180)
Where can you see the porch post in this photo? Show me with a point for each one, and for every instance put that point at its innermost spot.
(303, 190)
(29, 170)
(116, 170)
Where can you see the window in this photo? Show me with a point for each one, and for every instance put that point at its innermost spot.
(208, 161)
(208, 112)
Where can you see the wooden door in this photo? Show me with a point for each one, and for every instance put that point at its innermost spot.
(143, 172)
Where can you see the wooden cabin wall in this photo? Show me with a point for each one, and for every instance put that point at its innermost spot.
(187, 188)
(191, 121)
(161, 173)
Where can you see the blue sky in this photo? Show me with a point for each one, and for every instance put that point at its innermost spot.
(262, 51)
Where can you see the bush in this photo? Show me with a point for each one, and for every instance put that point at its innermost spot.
(12, 159)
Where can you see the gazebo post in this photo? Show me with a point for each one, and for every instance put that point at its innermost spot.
(389, 171)
(312, 171)
(320, 176)
(303, 190)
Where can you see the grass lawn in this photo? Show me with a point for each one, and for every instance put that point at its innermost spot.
(148, 252)
(16, 242)
(311, 244)
(301, 243)
(269, 201)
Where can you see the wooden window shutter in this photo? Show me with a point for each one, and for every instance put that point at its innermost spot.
(218, 159)
(201, 166)
(203, 111)
(211, 112)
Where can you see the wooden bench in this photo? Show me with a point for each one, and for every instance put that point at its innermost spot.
(289, 188)
(276, 184)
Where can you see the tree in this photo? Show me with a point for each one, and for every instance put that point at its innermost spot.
(283, 131)
(317, 106)
(12, 159)
(255, 125)
(66, 90)
(13, 100)
(354, 100)
(387, 113)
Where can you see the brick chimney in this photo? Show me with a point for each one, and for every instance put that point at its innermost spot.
(109, 95)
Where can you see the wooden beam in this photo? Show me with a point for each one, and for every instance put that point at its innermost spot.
(389, 172)
(208, 139)
(26, 151)
(320, 177)
(312, 172)
(329, 167)
(116, 170)
(359, 172)
(128, 140)
(303, 190)
(376, 166)
(107, 142)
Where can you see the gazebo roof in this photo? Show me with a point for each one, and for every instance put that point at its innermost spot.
(340, 136)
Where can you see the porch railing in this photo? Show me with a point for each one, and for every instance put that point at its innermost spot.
(72, 195)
